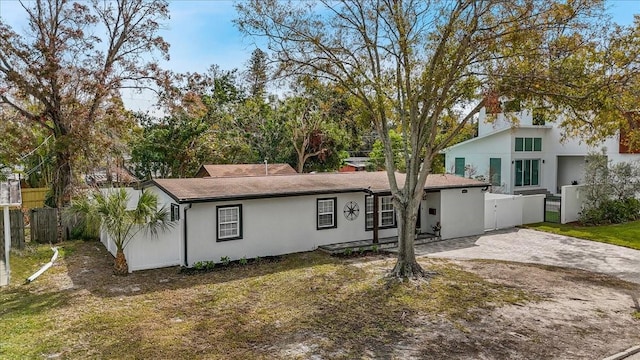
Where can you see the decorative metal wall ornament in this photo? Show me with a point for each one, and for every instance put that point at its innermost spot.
(351, 210)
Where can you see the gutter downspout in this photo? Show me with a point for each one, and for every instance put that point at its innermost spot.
(186, 263)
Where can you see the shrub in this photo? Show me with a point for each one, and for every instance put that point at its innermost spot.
(225, 260)
(612, 212)
(243, 261)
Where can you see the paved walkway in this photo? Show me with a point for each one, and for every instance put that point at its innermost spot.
(530, 246)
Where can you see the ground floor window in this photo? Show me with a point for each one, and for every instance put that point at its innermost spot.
(326, 213)
(459, 167)
(229, 222)
(495, 171)
(386, 213)
(527, 172)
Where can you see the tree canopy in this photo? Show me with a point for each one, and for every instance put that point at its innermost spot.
(410, 64)
(63, 73)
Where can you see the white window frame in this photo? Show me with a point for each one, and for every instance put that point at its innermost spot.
(368, 212)
(384, 201)
(330, 210)
(237, 233)
(386, 207)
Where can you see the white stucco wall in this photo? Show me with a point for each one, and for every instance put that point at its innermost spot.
(493, 123)
(477, 153)
(502, 211)
(571, 203)
(144, 251)
(274, 226)
(533, 209)
(432, 201)
(462, 213)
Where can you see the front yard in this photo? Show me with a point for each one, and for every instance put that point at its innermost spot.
(627, 235)
(311, 304)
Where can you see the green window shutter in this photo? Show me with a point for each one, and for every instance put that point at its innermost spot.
(518, 172)
(537, 144)
(519, 144)
(535, 172)
(495, 171)
(459, 166)
(528, 144)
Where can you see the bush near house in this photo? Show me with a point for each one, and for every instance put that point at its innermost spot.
(610, 191)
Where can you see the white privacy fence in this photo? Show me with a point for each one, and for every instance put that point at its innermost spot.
(571, 203)
(505, 211)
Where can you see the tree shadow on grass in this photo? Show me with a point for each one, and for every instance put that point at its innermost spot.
(91, 267)
(20, 301)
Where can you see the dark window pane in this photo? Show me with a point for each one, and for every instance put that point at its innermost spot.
(528, 144)
(459, 167)
(495, 171)
(519, 144)
(518, 172)
(526, 173)
(537, 144)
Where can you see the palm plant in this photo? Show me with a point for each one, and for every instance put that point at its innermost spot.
(109, 212)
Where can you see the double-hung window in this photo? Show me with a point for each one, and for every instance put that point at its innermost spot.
(386, 213)
(229, 222)
(326, 213)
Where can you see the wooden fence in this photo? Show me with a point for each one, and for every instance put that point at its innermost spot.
(16, 218)
(33, 197)
(44, 225)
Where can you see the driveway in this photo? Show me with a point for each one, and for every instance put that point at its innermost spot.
(530, 246)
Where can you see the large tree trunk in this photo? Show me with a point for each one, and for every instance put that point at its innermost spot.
(406, 266)
(120, 266)
(62, 178)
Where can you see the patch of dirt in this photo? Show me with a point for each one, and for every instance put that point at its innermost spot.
(579, 315)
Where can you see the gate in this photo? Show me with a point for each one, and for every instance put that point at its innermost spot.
(44, 225)
(552, 206)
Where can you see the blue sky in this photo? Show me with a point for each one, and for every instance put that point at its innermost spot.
(201, 33)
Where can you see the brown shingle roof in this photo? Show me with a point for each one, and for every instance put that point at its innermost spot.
(237, 170)
(212, 189)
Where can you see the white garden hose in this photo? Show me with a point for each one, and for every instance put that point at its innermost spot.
(45, 267)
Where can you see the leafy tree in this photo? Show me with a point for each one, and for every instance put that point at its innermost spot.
(171, 147)
(110, 212)
(377, 156)
(265, 130)
(410, 63)
(56, 78)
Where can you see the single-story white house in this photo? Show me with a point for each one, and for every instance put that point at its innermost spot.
(247, 217)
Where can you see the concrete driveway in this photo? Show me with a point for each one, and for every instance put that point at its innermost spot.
(530, 246)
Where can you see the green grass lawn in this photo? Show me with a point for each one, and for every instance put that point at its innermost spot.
(627, 235)
(78, 309)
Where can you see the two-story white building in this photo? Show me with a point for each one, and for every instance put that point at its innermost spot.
(528, 155)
